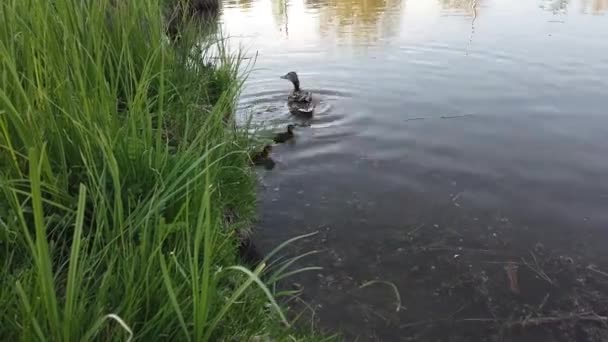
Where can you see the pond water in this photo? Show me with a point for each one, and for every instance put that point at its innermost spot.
(472, 125)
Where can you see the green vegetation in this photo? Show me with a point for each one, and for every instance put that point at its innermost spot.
(123, 181)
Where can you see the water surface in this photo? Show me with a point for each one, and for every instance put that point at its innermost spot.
(483, 116)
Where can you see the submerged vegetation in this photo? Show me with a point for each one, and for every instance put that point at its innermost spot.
(123, 181)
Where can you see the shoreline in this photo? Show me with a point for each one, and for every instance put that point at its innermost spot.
(118, 170)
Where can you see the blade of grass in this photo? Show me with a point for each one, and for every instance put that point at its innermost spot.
(41, 254)
(75, 272)
(29, 312)
(252, 277)
(173, 297)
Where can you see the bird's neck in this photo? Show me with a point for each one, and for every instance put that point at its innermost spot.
(296, 85)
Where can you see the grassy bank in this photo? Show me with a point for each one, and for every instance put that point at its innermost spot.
(122, 184)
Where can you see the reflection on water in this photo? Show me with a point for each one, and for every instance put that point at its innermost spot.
(364, 22)
(242, 4)
(594, 6)
(280, 15)
(313, 4)
(586, 6)
(555, 6)
(359, 20)
(417, 125)
(467, 7)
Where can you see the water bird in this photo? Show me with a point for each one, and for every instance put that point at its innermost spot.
(248, 252)
(258, 157)
(263, 158)
(284, 136)
(299, 101)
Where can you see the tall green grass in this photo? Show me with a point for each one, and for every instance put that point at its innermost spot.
(118, 169)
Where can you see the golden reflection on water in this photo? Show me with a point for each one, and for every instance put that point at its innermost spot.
(359, 20)
(594, 6)
(586, 6)
(315, 3)
(467, 7)
(280, 15)
(365, 22)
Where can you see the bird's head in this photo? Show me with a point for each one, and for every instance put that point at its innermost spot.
(266, 151)
(293, 78)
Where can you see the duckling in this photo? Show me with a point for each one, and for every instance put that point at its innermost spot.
(263, 158)
(284, 136)
(299, 101)
(248, 252)
(259, 157)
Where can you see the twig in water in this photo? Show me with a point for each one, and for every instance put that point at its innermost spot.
(540, 307)
(417, 323)
(415, 229)
(389, 284)
(377, 314)
(537, 269)
(587, 316)
(542, 304)
(455, 116)
(594, 269)
(460, 249)
(455, 198)
(312, 310)
(499, 262)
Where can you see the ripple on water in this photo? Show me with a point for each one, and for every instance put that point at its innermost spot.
(266, 110)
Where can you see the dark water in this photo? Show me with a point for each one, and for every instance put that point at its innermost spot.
(487, 116)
